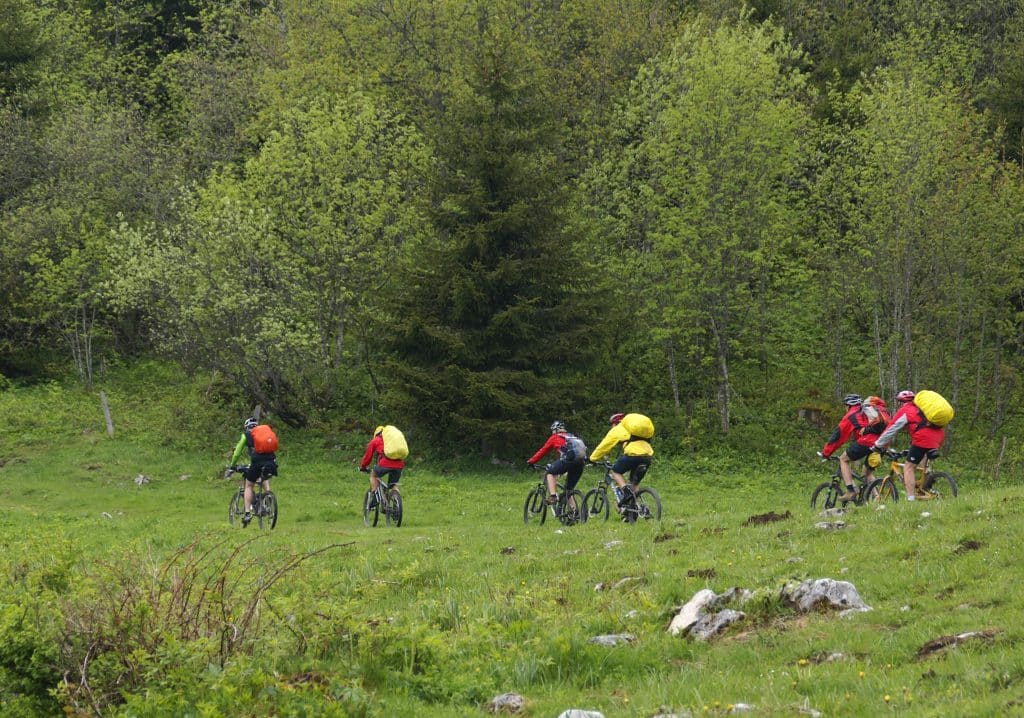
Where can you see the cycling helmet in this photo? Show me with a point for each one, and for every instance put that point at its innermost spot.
(615, 418)
(905, 396)
(378, 430)
(852, 399)
(249, 424)
(557, 426)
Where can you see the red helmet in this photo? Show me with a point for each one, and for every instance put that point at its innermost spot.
(905, 396)
(615, 418)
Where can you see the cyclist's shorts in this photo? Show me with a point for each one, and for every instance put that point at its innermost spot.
(393, 474)
(573, 470)
(856, 452)
(257, 469)
(635, 466)
(917, 453)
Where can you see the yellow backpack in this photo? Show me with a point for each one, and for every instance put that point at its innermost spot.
(934, 407)
(638, 426)
(395, 446)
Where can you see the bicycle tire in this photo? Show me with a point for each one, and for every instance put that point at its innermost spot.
(648, 504)
(270, 509)
(393, 509)
(595, 503)
(536, 506)
(236, 507)
(882, 490)
(938, 483)
(830, 497)
(370, 513)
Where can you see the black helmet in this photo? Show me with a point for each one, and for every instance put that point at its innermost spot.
(852, 399)
(557, 426)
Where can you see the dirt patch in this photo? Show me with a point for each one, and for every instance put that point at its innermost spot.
(767, 518)
(712, 531)
(943, 642)
(508, 549)
(664, 537)
(701, 573)
(967, 545)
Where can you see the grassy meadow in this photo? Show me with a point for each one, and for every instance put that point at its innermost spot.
(126, 599)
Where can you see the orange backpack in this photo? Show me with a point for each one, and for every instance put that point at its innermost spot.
(264, 440)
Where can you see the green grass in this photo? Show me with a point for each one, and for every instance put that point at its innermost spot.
(464, 602)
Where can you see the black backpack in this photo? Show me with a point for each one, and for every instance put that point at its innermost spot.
(574, 449)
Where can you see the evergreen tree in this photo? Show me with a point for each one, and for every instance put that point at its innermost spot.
(487, 323)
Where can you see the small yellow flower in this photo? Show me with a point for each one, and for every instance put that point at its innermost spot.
(886, 698)
(802, 662)
(861, 674)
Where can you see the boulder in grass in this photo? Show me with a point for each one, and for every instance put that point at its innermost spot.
(824, 594)
(506, 703)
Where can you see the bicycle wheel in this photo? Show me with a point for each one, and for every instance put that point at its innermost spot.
(826, 495)
(595, 503)
(393, 509)
(574, 514)
(370, 513)
(536, 507)
(882, 490)
(236, 507)
(939, 485)
(270, 509)
(648, 504)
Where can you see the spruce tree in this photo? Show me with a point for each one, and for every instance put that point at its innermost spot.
(486, 320)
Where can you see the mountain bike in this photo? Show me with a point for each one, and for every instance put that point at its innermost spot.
(646, 504)
(928, 485)
(382, 500)
(264, 504)
(536, 506)
(827, 494)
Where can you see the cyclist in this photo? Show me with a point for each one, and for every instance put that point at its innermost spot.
(383, 465)
(261, 443)
(864, 420)
(925, 438)
(633, 431)
(572, 453)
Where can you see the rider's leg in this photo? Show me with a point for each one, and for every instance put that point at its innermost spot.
(572, 477)
(908, 479)
(916, 457)
(846, 471)
(552, 488)
(248, 496)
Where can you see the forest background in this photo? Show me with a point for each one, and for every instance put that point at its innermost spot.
(471, 217)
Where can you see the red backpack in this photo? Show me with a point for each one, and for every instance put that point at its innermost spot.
(264, 440)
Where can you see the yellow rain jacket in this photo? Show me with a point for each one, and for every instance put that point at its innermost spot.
(633, 432)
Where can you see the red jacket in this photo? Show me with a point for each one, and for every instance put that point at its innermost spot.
(555, 442)
(922, 433)
(855, 423)
(376, 446)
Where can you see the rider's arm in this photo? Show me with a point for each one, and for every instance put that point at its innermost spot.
(548, 445)
(890, 431)
(368, 454)
(616, 435)
(239, 450)
(838, 438)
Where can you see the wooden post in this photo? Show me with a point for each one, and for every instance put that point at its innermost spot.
(999, 460)
(256, 412)
(106, 415)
